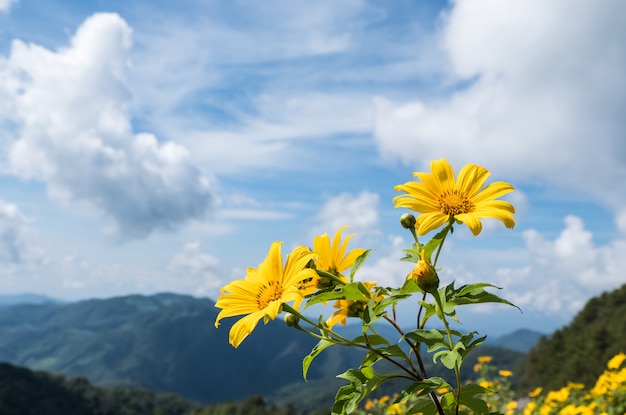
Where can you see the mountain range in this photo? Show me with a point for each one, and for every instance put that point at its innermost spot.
(167, 343)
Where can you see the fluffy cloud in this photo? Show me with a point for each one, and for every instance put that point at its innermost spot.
(5, 5)
(70, 112)
(360, 212)
(563, 273)
(540, 95)
(16, 248)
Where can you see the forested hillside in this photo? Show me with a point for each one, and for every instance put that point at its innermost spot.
(25, 392)
(579, 351)
(164, 342)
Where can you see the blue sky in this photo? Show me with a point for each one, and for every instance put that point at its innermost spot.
(159, 146)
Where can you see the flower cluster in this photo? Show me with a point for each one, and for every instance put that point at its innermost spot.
(318, 275)
(606, 397)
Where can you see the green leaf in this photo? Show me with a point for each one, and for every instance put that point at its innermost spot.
(349, 396)
(428, 337)
(469, 399)
(426, 386)
(413, 253)
(358, 262)
(449, 358)
(423, 405)
(317, 349)
(476, 294)
(350, 291)
(371, 339)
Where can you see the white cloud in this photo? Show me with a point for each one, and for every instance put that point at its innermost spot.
(540, 98)
(74, 132)
(385, 266)
(563, 273)
(5, 5)
(16, 239)
(360, 213)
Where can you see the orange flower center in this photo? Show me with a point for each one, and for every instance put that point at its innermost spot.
(454, 203)
(268, 293)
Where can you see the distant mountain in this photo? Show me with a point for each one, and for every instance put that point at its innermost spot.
(167, 343)
(579, 351)
(521, 340)
(8, 300)
(164, 342)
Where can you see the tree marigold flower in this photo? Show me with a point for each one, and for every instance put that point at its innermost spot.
(331, 257)
(505, 373)
(616, 361)
(264, 291)
(439, 197)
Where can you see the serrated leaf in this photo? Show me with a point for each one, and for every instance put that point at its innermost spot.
(424, 406)
(350, 291)
(476, 294)
(348, 397)
(469, 399)
(358, 262)
(371, 339)
(317, 349)
(428, 337)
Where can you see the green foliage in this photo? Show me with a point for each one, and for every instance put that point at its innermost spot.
(579, 351)
(25, 392)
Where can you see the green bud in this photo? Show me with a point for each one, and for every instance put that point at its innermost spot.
(291, 319)
(407, 221)
(425, 275)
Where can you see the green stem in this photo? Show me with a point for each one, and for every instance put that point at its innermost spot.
(457, 370)
(340, 340)
(448, 228)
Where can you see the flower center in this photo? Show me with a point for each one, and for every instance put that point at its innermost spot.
(454, 203)
(268, 293)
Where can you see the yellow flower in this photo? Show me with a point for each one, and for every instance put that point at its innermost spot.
(616, 361)
(530, 407)
(348, 308)
(439, 197)
(535, 393)
(331, 257)
(486, 384)
(484, 359)
(505, 373)
(264, 291)
(395, 409)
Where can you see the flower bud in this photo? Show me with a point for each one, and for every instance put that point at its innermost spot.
(291, 319)
(407, 221)
(425, 275)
